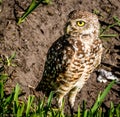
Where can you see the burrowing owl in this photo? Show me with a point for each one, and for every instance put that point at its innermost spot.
(73, 57)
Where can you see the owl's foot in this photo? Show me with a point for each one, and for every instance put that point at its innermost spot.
(71, 111)
(104, 76)
(72, 96)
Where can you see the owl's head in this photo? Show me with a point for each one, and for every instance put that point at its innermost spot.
(82, 23)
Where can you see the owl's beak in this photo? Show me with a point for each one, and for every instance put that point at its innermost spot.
(68, 29)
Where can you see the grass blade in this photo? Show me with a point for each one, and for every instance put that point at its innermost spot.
(48, 103)
(29, 103)
(9, 59)
(20, 110)
(40, 108)
(3, 76)
(117, 20)
(108, 36)
(1, 90)
(17, 91)
(50, 99)
(118, 111)
(15, 104)
(78, 113)
(101, 97)
(32, 6)
(85, 113)
(111, 111)
(0, 1)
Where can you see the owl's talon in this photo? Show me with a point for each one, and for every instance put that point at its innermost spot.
(71, 111)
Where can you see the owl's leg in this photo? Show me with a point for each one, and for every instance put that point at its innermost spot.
(60, 96)
(72, 96)
(60, 93)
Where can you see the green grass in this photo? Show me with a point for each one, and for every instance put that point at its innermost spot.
(12, 106)
(107, 28)
(1, 2)
(34, 4)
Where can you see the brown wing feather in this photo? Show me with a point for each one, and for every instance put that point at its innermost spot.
(56, 63)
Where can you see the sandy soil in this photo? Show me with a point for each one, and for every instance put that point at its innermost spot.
(32, 39)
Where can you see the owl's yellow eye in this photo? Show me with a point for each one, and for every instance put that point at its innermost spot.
(80, 23)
